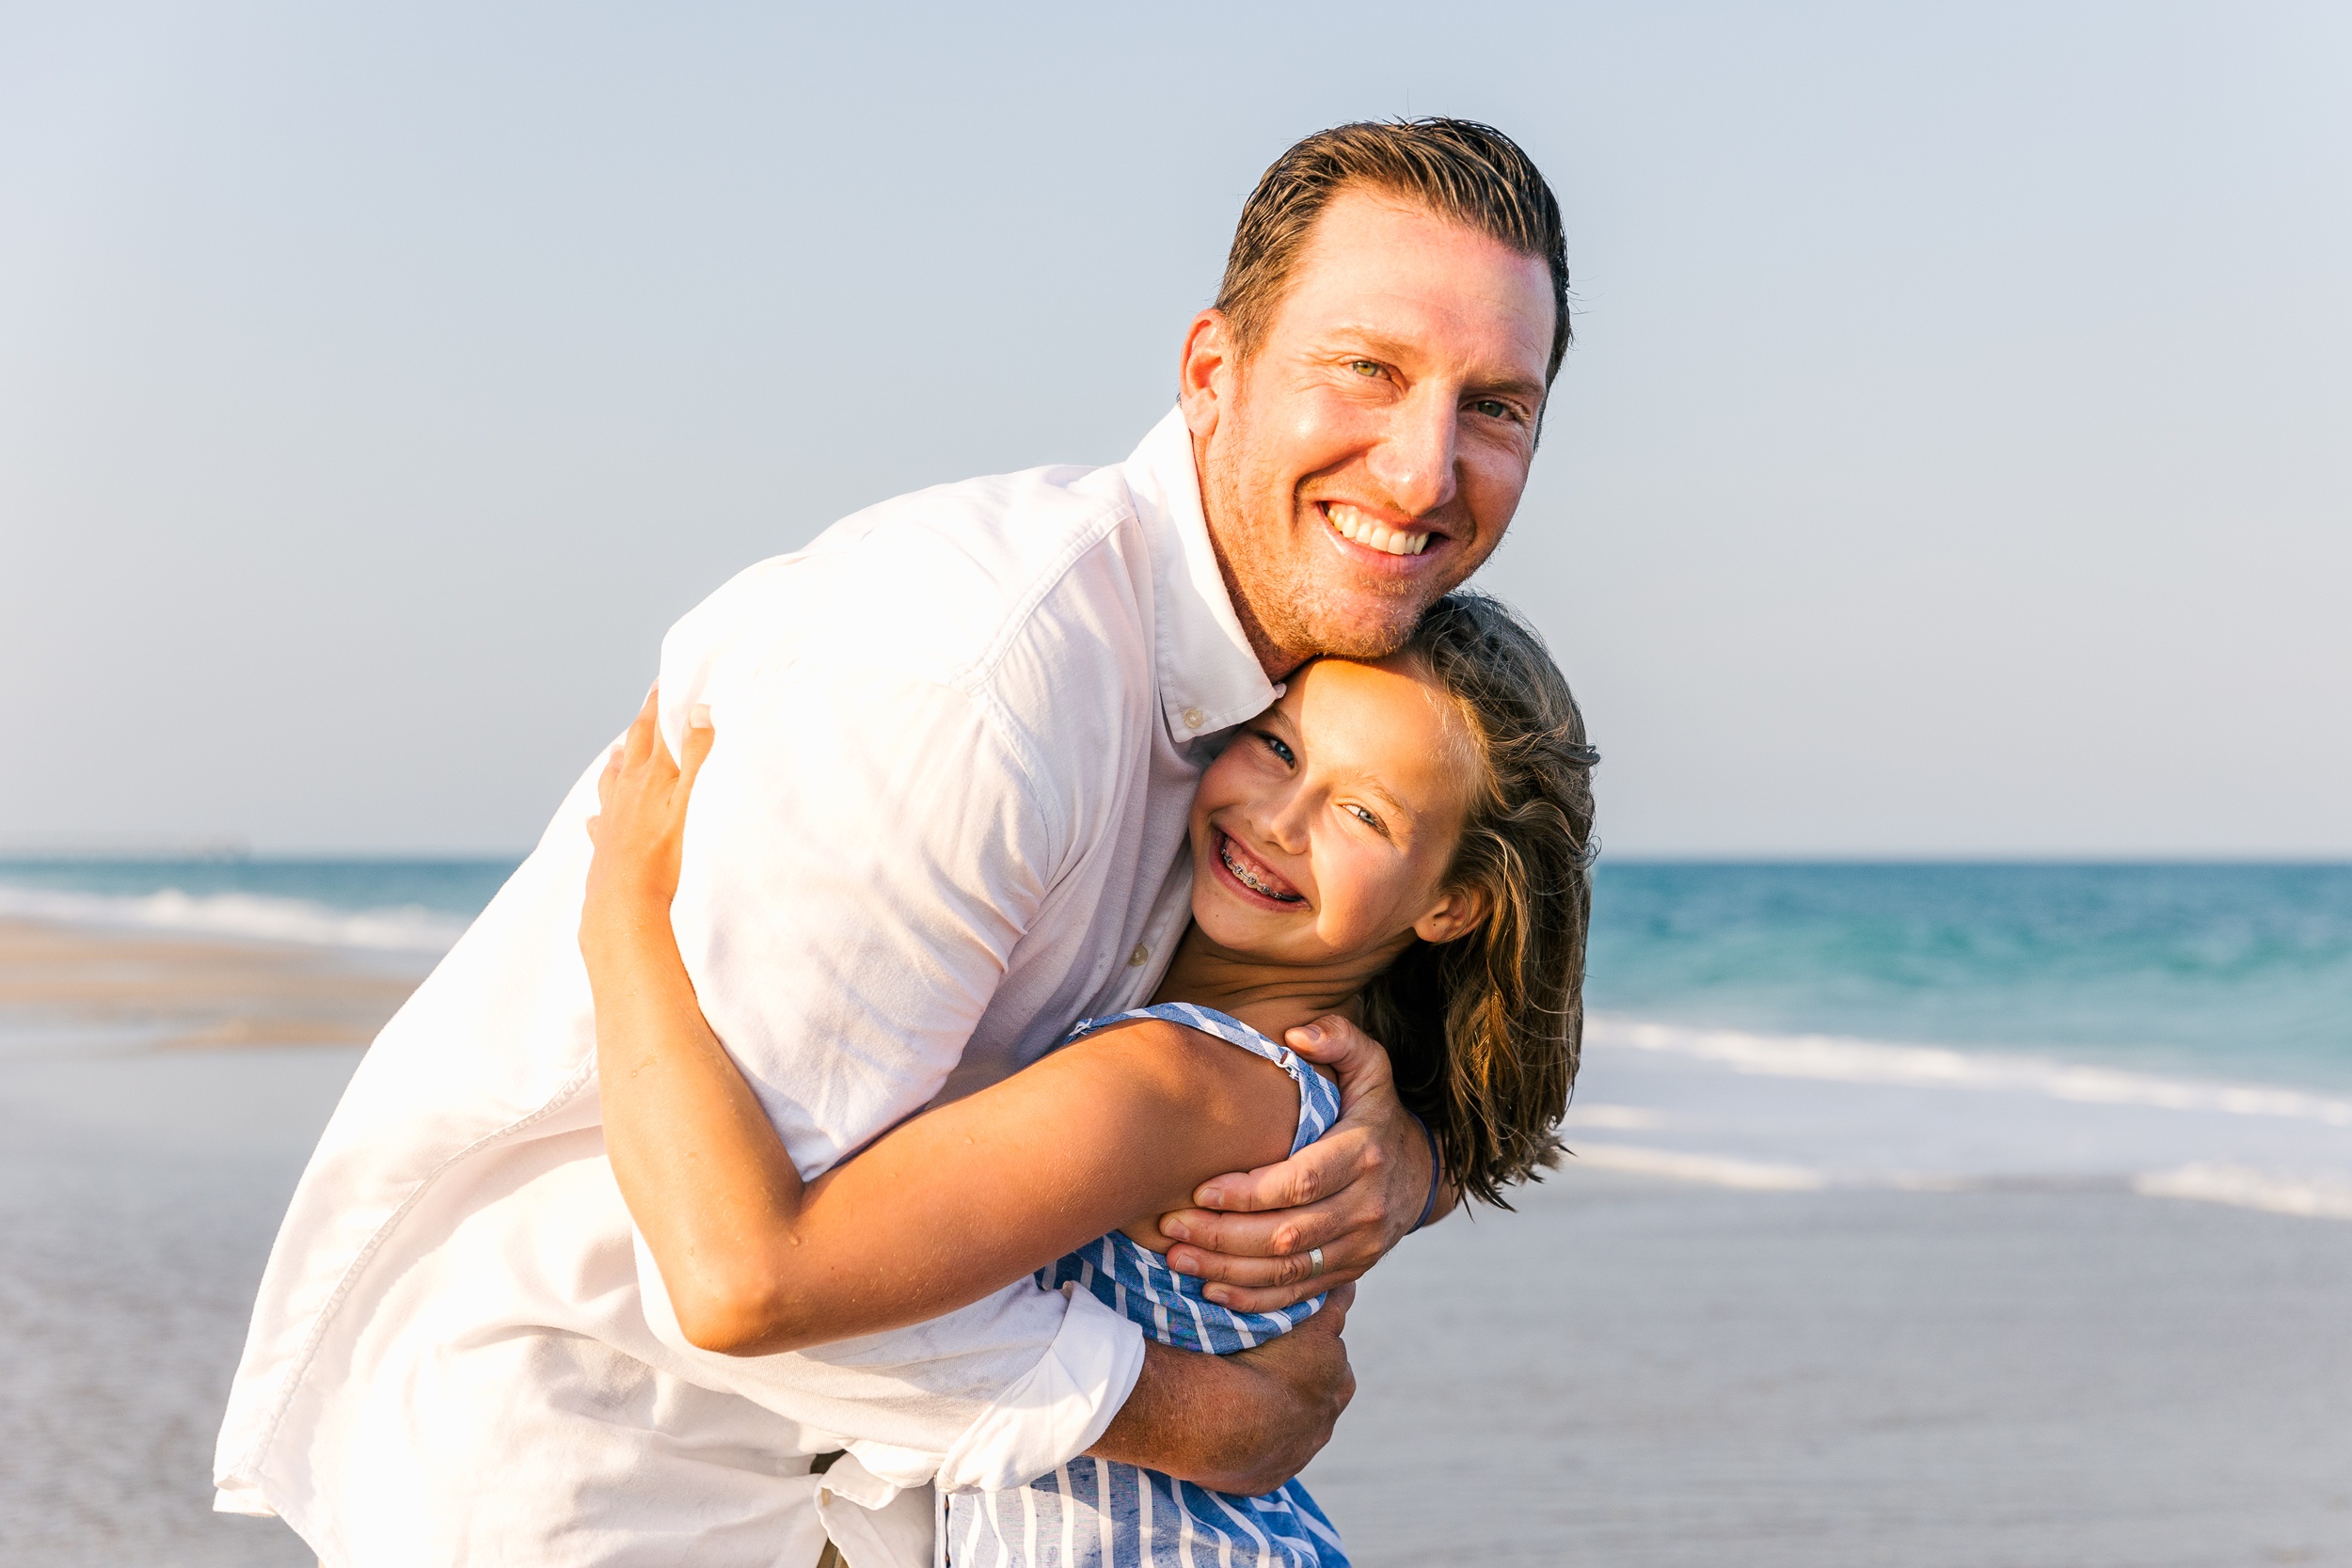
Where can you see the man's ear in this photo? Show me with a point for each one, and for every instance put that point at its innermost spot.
(1458, 912)
(1204, 376)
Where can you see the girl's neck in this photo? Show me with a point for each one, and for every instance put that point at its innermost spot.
(1271, 998)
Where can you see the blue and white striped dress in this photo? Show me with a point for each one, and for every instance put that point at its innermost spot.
(1093, 1513)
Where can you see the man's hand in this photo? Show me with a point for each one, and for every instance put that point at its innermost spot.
(1354, 1192)
(1240, 1424)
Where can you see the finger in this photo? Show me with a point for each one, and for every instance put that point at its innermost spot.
(1274, 1298)
(646, 728)
(1315, 1172)
(699, 736)
(1342, 1260)
(610, 780)
(660, 768)
(1277, 1233)
(1359, 1061)
(1332, 1042)
(1336, 1306)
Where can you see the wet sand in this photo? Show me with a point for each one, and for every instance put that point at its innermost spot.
(1627, 1372)
(67, 990)
(1641, 1376)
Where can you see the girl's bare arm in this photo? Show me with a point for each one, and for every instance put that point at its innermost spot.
(936, 1215)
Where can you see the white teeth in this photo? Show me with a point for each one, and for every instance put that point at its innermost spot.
(1250, 879)
(1353, 524)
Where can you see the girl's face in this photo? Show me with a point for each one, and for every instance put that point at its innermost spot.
(1323, 833)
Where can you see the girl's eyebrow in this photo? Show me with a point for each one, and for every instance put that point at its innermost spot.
(1374, 788)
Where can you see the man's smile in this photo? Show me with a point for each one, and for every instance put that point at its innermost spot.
(1352, 523)
(1381, 542)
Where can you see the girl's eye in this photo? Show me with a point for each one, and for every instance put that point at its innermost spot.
(1274, 745)
(1364, 814)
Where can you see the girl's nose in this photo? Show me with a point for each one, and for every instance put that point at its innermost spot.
(1285, 826)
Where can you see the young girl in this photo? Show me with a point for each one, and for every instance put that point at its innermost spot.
(1403, 842)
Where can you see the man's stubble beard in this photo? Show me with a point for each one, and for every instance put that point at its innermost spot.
(1284, 606)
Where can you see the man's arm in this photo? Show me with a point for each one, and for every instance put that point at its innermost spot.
(1354, 1192)
(1241, 1424)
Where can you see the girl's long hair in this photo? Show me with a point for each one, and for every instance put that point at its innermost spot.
(1483, 1030)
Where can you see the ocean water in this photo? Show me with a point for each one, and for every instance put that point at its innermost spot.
(2207, 970)
(2244, 971)
(2183, 1031)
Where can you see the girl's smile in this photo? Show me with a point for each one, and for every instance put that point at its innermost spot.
(1252, 874)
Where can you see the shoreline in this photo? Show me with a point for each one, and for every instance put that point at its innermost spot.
(67, 990)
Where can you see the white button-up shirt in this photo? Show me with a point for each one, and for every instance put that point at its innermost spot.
(958, 738)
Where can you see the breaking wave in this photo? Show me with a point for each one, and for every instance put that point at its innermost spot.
(246, 916)
(1840, 1059)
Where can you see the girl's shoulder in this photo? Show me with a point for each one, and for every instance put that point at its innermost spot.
(1318, 1097)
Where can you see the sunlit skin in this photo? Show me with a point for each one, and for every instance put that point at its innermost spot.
(1395, 393)
(1321, 840)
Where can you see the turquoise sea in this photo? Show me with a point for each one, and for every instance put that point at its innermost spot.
(2239, 971)
(2226, 970)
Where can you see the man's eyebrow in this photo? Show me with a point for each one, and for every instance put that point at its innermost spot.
(1380, 345)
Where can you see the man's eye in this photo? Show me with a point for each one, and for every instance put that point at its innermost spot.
(1276, 747)
(1495, 408)
(1364, 366)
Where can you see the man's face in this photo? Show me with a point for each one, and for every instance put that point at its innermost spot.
(1368, 454)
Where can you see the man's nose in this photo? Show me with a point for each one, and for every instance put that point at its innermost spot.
(1414, 459)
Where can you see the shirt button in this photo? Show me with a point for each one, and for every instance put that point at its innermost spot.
(1192, 717)
(1137, 959)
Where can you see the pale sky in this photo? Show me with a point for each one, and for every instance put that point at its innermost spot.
(1956, 457)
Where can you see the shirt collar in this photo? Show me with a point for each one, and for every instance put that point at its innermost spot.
(1208, 677)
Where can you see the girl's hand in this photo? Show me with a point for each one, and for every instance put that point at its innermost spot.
(639, 828)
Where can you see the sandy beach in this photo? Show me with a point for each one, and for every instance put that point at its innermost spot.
(62, 984)
(1628, 1371)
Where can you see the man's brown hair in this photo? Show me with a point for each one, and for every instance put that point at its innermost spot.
(1457, 168)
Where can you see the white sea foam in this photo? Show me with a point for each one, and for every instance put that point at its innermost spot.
(1709, 1169)
(2311, 1194)
(1621, 1117)
(405, 928)
(1840, 1059)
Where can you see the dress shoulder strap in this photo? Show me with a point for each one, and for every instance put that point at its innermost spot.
(1318, 1097)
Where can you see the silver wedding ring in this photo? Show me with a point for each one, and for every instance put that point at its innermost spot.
(1314, 1263)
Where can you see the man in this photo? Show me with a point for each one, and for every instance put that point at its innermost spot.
(962, 732)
